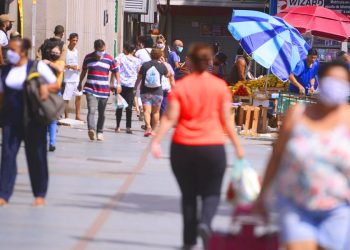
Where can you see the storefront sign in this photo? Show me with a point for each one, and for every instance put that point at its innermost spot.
(342, 6)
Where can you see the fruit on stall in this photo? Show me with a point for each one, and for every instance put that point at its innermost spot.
(272, 82)
(241, 90)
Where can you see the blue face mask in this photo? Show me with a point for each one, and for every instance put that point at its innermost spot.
(180, 49)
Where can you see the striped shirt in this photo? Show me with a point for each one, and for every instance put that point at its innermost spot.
(97, 82)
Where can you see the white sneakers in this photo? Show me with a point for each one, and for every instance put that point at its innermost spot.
(92, 135)
(100, 137)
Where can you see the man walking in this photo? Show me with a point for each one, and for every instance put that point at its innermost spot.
(97, 66)
(45, 48)
(5, 26)
(174, 58)
(71, 76)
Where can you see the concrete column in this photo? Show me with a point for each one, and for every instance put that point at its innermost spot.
(120, 26)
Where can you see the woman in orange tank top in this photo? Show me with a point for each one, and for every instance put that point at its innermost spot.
(199, 106)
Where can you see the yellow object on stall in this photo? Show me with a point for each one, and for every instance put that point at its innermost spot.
(250, 85)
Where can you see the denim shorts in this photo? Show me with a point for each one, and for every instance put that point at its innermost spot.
(151, 100)
(329, 228)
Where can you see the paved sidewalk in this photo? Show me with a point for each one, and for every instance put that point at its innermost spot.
(104, 195)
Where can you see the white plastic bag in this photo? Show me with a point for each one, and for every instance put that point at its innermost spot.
(245, 183)
(119, 102)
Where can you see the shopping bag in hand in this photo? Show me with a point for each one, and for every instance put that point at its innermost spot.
(119, 102)
(244, 186)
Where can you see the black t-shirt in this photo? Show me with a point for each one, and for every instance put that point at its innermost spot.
(163, 71)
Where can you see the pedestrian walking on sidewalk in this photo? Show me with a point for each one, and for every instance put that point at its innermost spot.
(44, 50)
(167, 84)
(15, 130)
(145, 45)
(150, 78)
(71, 77)
(129, 67)
(57, 66)
(309, 169)
(174, 59)
(198, 157)
(5, 26)
(97, 66)
(162, 45)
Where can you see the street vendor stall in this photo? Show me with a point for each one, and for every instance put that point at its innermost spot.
(275, 45)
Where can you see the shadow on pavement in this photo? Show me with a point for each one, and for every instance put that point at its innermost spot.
(139, 203)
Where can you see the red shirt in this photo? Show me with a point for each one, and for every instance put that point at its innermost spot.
(201, 98)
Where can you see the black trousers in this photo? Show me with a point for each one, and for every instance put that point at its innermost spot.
(128, 95)
(199, 171)
(36, 154)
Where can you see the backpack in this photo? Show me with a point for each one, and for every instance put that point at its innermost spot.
(153, 78)
(48, 45)
(42, 111)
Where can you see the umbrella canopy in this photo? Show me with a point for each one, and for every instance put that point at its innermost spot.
(270, 41)
(319, 21)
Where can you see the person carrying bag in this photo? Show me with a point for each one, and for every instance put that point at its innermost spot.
(18, 125)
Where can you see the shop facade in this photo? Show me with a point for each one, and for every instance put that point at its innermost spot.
(204, 21)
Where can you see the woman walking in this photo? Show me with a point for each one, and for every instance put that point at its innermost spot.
(310, 168)
(14, 131)
(57, 66)
(198, 157)
(129, 68)
(167, 84)
(162, 45)
(150, 78)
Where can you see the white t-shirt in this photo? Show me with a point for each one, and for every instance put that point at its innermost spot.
(144, 55)
(72, 59)
(4, 41)
(18, 75)
(165, 80)
(128, 69)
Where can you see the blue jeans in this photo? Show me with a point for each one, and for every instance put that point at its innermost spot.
(52, 133)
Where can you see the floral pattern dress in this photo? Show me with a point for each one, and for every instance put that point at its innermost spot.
(315, 168)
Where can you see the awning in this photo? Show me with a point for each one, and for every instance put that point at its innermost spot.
(217, 3)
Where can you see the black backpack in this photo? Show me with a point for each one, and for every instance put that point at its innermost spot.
(48, 45)
(42, 111)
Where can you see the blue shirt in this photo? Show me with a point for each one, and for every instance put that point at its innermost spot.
(304, 74)
(173, 59)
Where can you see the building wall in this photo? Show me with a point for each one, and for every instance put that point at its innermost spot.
(84, 17)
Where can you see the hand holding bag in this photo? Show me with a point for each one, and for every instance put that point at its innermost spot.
(119, 102)
(244, 186)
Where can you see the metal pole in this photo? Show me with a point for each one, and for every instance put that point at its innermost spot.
(33, 29)
(273, 7)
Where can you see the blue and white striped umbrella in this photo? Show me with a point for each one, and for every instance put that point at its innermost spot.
(269, 40)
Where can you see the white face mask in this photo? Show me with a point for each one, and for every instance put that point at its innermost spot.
(100, 53)
(13, 57)
(333, 91)
(160, 46)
